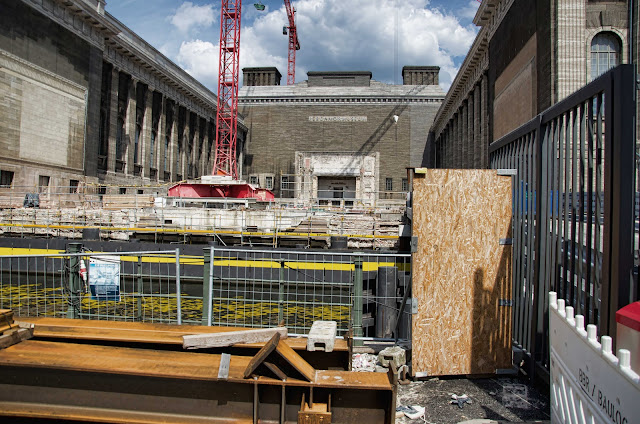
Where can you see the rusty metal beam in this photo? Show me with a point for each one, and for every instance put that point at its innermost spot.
(170, 337)
(84, 382)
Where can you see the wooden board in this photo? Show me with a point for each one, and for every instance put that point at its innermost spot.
(230, 338)
(461, 271)
(63, 328)
(165, 364)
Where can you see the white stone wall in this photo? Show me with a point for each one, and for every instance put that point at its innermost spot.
(571, 60)
(310, 166)
(42, 117)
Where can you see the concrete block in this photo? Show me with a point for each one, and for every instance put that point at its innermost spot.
(395, 354)
(322, 333)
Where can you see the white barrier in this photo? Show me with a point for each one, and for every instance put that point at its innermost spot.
(589, 384)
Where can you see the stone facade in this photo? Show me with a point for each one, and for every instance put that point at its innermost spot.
(87, 100)
(345, 115)
(527, 56)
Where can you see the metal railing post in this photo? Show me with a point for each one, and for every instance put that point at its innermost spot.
(73, 310)
(139, 289)
(281, 293)
(178, 288)
(619, 165)
(206, 285)
(357, 298)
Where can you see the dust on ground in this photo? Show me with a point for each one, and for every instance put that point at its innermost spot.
(497, 399)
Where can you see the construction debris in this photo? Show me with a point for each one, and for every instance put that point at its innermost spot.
(395, 353)
(12, 332)
(364, 362)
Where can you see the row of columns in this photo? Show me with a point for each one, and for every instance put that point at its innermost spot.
(173, 142)
(464, 140)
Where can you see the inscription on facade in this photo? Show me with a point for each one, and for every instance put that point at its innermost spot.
(337, 119)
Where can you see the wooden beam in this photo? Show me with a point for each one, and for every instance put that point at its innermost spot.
(296, 361)
(259, 357)
(201, 341)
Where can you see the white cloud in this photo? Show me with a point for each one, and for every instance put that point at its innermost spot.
(359, 35)
(469, 11)
(334, 35)
(200, 59)
(189, 16)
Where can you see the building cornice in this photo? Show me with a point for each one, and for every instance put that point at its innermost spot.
(489, 16)
(127, 51)
(272, 100)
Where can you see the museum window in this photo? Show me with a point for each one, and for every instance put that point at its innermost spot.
(253, 180)
(268, 182)
(388, 184)
(605, 53)
(405, 184)
(73, 186)
(43, 183)
(6, 178)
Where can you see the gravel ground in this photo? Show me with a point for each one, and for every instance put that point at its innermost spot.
(493, 399)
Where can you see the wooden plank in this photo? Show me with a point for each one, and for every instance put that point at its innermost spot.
(14, 336)
(274, 369)
(230, 338)
(461, 272)
(63, 328)
(161, 363)
(296, 361)
(262, 354)
(6, 320)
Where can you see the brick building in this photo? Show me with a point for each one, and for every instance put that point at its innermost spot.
(341, 137)
(85, 100)
(527, 56)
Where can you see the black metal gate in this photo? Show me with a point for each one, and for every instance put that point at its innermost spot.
(573, 210)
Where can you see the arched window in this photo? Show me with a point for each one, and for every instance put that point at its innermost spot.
(605, 53)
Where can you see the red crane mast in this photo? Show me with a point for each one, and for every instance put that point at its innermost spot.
(294, 43)
(225, 162)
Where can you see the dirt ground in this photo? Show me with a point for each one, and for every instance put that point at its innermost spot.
(493, 399)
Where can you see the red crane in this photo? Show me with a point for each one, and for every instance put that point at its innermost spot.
(294, 43)
(225, 162)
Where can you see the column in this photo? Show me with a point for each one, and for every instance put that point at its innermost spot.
(130, 126)
(147, 127)
(484, 117)
(195, 144)
(465, 134)
(174, 142)
(470, 130)
(477, 144)
(186, 136)
(160, 138)
(113, 119)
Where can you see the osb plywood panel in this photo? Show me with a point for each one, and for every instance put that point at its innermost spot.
(461, 271)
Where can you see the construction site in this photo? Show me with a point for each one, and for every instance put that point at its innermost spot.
(336, 249)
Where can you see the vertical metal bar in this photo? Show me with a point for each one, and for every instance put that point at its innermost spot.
(178, 287)
(255, 400)
(74, 284)
(139, 289)
(281, 292)
(283, 404)
(582, 284)
(206, 281)
(619, 204)
(357, 297)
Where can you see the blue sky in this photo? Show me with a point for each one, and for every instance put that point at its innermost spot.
(335, 35)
